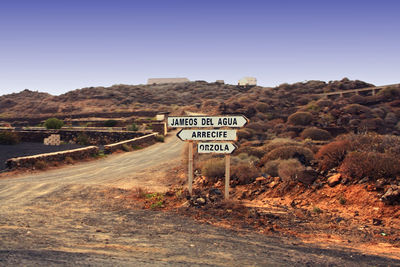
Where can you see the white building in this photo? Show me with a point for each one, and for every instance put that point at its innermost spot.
(246, 81)
(166, 80)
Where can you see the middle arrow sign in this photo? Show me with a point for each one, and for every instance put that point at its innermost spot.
(216, 135)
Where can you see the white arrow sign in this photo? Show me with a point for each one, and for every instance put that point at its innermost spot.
(221, 148)
(207, 135)
(207, 121)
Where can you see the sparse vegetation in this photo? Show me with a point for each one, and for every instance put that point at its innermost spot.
(110, 123)
(83, 139)
(9, 138)
(160, 138)
(315, 134)
(40, 165)
(214, 169)
(300, 118)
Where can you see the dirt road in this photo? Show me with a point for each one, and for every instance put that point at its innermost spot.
(79, 215)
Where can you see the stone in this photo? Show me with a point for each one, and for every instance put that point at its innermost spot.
(334, 180)
(200, 201)
(307, 177)
(391, 196)
(380, 183)
(376, 222)
(260, 179)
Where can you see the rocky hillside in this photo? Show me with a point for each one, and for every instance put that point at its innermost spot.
(117, 98)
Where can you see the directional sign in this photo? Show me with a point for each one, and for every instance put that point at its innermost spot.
(235, 121)
(220, 148)
(207, 135)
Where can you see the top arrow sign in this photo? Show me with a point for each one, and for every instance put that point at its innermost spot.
(207, 121)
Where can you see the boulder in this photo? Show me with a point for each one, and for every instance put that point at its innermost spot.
(391, 196)
(334, 180)
(307, 176)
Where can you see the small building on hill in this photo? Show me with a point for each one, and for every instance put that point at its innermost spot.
(248, 81)
(166, 80)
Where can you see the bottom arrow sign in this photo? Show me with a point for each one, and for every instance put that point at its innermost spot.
(221, 148)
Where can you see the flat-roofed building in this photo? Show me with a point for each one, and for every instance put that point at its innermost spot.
(166, 80)
(248, 81)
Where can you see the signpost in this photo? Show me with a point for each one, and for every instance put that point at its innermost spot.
(219, 148)
(207, 135)
(235, 121)
(217, 132)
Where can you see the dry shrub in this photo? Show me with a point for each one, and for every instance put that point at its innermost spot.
(304, 155)
(244, 173)
(252, 151)
(300, 118)
(244, 133)
(374, 165)
(289, 169)
(214, 169)
(278, 142)
(262, 107)
(332, 154)
(40, 165)
(9, 138)
(271, 167)
(315, 134)
(69, 160)
(356, 109)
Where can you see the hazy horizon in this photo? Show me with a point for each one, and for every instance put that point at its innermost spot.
(56, 47)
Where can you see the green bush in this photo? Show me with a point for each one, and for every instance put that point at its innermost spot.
(300, 118)
(110, 123)
(83, 139)
(126, 148)
(133, 127)
(53, 123)
(9, 138)
(315, 134)
(160, 138)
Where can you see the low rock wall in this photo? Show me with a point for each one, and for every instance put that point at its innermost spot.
(147, 139)
(92, 137)
(32, 161)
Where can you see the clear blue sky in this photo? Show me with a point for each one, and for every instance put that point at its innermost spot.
(57, 46)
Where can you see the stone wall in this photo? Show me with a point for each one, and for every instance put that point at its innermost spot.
(32, 161)
(147, 139)
(93, 137)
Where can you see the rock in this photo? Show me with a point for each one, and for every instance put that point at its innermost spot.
(376, 222)
(364, 180)
(334, 180)
(307, 177)
(200, 201)
(272, 184)
(260, 179)
(214, 194)
(391, 196)
(380, 183)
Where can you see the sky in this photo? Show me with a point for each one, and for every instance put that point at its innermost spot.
(58, 46)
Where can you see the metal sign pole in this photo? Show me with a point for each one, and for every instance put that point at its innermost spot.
(227, 174)
(190, 167)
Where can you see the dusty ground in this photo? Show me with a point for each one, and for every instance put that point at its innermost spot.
(86, 215)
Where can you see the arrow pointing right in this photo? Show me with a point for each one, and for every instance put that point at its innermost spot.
(220, 148)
